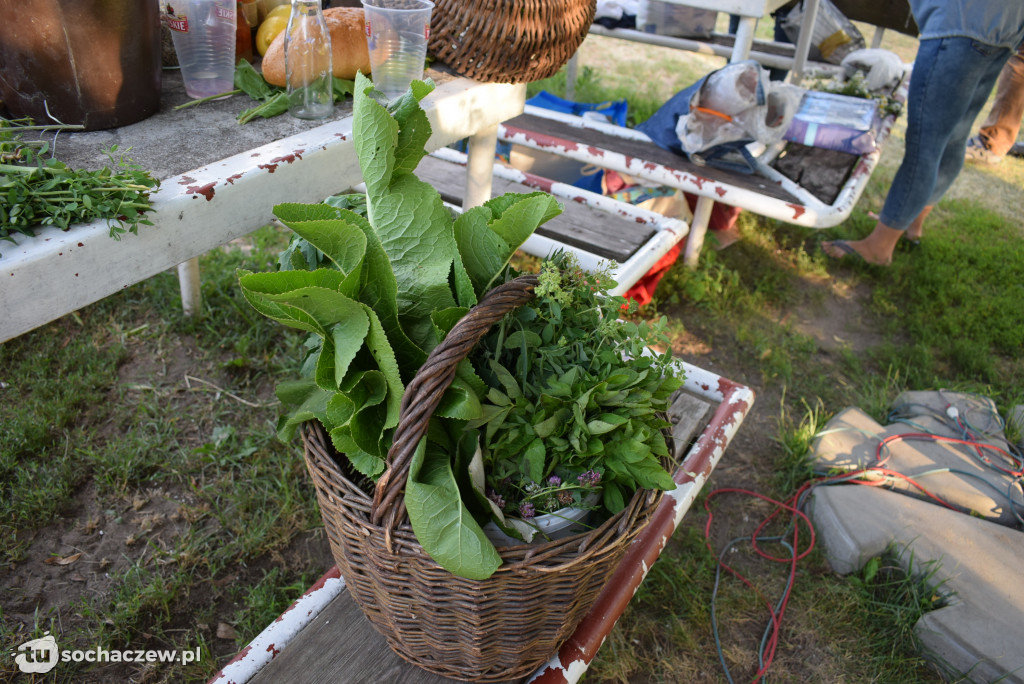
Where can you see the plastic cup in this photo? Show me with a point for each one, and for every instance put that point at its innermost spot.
(396, 35)
(203, 32)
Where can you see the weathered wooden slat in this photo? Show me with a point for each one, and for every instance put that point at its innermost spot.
(579, 226)
(647, 151)
(689, 414)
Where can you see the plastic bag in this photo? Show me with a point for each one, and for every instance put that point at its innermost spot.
(713, 120)
(671, 19)
(738, 103)
(883, 67)
(612, 111)
(834, 35)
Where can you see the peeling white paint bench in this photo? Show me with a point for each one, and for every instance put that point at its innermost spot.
(597, 229)
(786, 185)
(219, 181)
(323, 637)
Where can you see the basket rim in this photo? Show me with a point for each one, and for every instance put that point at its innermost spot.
(320, 454)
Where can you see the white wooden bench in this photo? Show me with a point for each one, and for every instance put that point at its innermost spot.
(786, 185)
(597, 229)
(219, 181)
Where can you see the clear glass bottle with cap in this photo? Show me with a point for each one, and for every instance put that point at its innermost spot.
(307, 62)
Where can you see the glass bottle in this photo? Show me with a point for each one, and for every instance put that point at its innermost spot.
(243, 35)
(250, 8)
(307, 62)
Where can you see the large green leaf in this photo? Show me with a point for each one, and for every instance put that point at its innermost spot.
(375, 135)
(291, 212)
(415, 230)
(517, 216)
(327, 307)
(264, 290)
(413, 126)
(482, 250)
(378, 289)
(377, 341)
(459, 401)
(305, 400)
(442, 523)
(339, 238)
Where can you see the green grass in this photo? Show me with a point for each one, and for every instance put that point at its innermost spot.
(960, 300)
(164, 425)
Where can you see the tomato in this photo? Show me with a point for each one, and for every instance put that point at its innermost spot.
(269, 29)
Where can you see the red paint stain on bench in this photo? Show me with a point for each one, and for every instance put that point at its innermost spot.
(204, 190)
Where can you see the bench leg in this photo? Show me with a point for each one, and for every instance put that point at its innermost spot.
(188, 281)
(744, 39)
(803, 42)
(571, 72)
(698, 227)
(876, 40)
(480, 167)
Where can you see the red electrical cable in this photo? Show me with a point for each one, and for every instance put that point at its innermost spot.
(1019, 472)
(797, 515)
(776, 616)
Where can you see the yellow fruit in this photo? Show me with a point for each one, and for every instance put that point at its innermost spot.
(269, 29)
(279, 11)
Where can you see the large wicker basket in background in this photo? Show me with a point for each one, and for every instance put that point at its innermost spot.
(508, 41)
(489, 630)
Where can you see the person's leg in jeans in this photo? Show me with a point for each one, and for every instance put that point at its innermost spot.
(999, 132)
(951, 81)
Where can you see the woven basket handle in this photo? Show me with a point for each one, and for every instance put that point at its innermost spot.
(426, 389)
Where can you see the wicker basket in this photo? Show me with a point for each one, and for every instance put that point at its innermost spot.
(489, 630)
(508, 41)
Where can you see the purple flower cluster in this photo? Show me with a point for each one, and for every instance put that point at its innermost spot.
(554, 480)
(589, 479)
(526, 510)
(497, 498)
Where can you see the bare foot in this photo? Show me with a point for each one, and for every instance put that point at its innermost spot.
(838, 249)
(912, 234)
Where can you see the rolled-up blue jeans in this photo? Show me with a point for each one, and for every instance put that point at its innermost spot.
(951, 82)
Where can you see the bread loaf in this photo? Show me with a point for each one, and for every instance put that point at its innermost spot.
(349, 53)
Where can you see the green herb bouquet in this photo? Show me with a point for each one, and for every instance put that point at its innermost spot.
(560, 405)
(574, 416)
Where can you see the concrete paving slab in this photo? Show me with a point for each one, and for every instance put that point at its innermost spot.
(977, 412)
(977, 636)
(1016, 421)
(850, 441)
